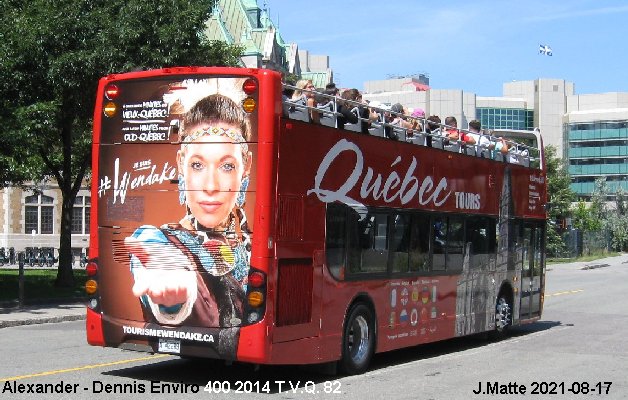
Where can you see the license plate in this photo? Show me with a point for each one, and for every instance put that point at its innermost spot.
(169, 346)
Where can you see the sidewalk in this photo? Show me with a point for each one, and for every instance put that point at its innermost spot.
(41, 314)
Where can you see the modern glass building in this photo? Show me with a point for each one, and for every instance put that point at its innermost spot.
(505, 118)
(595, 141)
(597, 149)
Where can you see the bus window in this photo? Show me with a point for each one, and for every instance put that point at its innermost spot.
(480, 232)
(335, 239)
(439, 239)
(455, 243)
(420, 243)
(400, 242)
(448, 240)
(368, 243)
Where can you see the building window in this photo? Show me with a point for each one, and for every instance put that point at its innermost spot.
(38, 214)
(80, 215)
(505, 118)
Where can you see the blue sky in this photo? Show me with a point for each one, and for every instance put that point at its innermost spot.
(471, 45)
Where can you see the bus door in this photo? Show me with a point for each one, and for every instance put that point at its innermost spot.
(531, 273)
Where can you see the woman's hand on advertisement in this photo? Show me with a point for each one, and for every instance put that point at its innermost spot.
(162, 275)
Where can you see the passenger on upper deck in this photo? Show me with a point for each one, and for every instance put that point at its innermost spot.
(433, 128)
(478, 138)
(416, 123)
(348, 111)
(418, 114)
(451, 128)
(331, 88)
(305, 93)
(395, 118)
(474, 135)
(500, 145)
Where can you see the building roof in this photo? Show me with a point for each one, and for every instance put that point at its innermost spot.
(319, 78)
(243, 23)
(419, 87)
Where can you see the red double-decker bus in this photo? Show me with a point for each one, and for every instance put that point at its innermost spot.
(227, 224)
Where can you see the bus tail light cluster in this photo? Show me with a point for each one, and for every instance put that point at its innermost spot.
(111, 93)
(91, 285)
(249, 87)
(256, 296)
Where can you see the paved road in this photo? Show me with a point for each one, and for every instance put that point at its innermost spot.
(580, 343)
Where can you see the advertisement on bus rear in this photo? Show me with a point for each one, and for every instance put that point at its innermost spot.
(176, 190)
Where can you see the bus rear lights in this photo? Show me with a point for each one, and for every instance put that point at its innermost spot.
(111, 92)
(110, 109)
(253, 317)
(93, 303)
(256, 279)
(249, 105)
(249, 86)
(91, 286)
(256, 299)
(91, 269)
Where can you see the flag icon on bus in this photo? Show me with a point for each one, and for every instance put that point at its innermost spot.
(545, 49)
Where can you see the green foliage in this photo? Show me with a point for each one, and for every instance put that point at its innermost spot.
(618, 222)
(583, 219)
(598, 202)
(555, 245)
(52, 55)
(39, 285)
(560, 195)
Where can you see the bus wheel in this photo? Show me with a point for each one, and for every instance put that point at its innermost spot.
(358, 340)
(503, 316)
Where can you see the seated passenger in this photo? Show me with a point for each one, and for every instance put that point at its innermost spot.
(433, 128)
(395, 118)
(500, 145)
(451, 128)
(418, 116)
(516, 154)
(355, 103)
(478, 137)
(305, 93)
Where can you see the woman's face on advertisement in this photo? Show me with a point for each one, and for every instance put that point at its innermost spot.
(213, 167)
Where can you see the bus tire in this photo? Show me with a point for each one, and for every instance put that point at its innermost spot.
(358, 340)
(503, 316)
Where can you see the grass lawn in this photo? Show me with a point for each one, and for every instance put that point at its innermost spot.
(39, 285)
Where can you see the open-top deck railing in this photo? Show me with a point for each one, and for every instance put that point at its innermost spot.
(518, 153)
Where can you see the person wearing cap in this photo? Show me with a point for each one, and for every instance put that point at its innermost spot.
(395, 118)
(418, 115)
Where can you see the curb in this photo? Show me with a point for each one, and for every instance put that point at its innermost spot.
(42, 302)
(36, 321)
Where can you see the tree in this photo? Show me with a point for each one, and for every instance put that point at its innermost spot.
(582, 218)
(598, 202)
(51, 57)
(618, 222)
(560, 196)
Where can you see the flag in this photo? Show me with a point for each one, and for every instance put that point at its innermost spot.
(545, 49)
